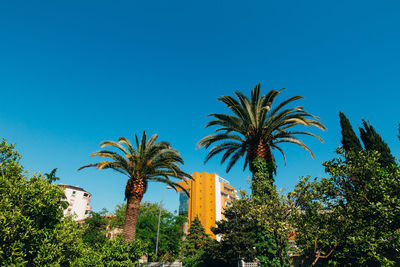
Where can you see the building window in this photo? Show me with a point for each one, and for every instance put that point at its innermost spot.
(183, 204)
(73, 192)
(85, 194)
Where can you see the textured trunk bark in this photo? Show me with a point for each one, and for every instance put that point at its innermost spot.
(134, 191)
(132, 212)
(260, 150)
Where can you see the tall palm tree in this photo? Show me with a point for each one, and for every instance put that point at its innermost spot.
(255, 128)
(147, 162)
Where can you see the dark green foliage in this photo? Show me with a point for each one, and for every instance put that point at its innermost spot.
(269, 213)
(118, 219)
(95, 228)
(350, 141)
(370, 138)
(193, 247)
(262, 183)
(318, 226)
(252, 230)
(170, 229)
(196, 238)
(171, 233)
(359, 223)
(238, 235)
(266, 247)
(373, 141)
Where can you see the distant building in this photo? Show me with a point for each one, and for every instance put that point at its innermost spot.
(112, 232)
(209, 194)
(79, 202)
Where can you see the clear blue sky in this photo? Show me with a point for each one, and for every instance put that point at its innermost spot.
(75, 73)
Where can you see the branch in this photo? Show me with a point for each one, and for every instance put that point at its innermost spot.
(318, 254)
(326, 256)
(315, 244)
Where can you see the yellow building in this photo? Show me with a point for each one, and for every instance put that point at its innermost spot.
(209, 194)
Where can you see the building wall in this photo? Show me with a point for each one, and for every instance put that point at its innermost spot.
(209, 195)
(228, 194)
(79, 202)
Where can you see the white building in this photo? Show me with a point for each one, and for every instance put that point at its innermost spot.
(79, 202)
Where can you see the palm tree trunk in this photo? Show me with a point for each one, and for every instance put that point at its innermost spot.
(262, 182)
(132, 212)
(262, 167)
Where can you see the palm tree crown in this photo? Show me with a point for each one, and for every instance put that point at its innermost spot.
(147, 162)
(256, 127)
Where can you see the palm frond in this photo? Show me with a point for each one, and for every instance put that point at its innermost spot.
(125, 141)
(255, 121)
(114, 144)
(280, 150)
(296, 141)
(149, 160)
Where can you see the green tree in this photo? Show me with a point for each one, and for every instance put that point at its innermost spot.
(319, 225)
(256, 128)
(269, 211)
(373, 141)
(197, 236)
(170, 235)
(33, 231)
(194, 244)
(95, 228)
(171, 232)
(347, 223)
(238, 236)
(118, 219)
(148, 162)
(273, 216)
(350, 141)
(9, 159)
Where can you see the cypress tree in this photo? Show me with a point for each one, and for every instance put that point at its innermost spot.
(349, 139)
(196, 238)
(373, 141)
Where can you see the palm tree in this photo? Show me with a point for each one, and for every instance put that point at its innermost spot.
(51, 177)
(256, 128)
(148, 162)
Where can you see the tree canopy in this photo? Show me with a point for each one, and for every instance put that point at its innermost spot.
(351, 223)
(350, 141)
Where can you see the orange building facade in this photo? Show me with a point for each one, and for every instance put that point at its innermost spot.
(209, 194)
